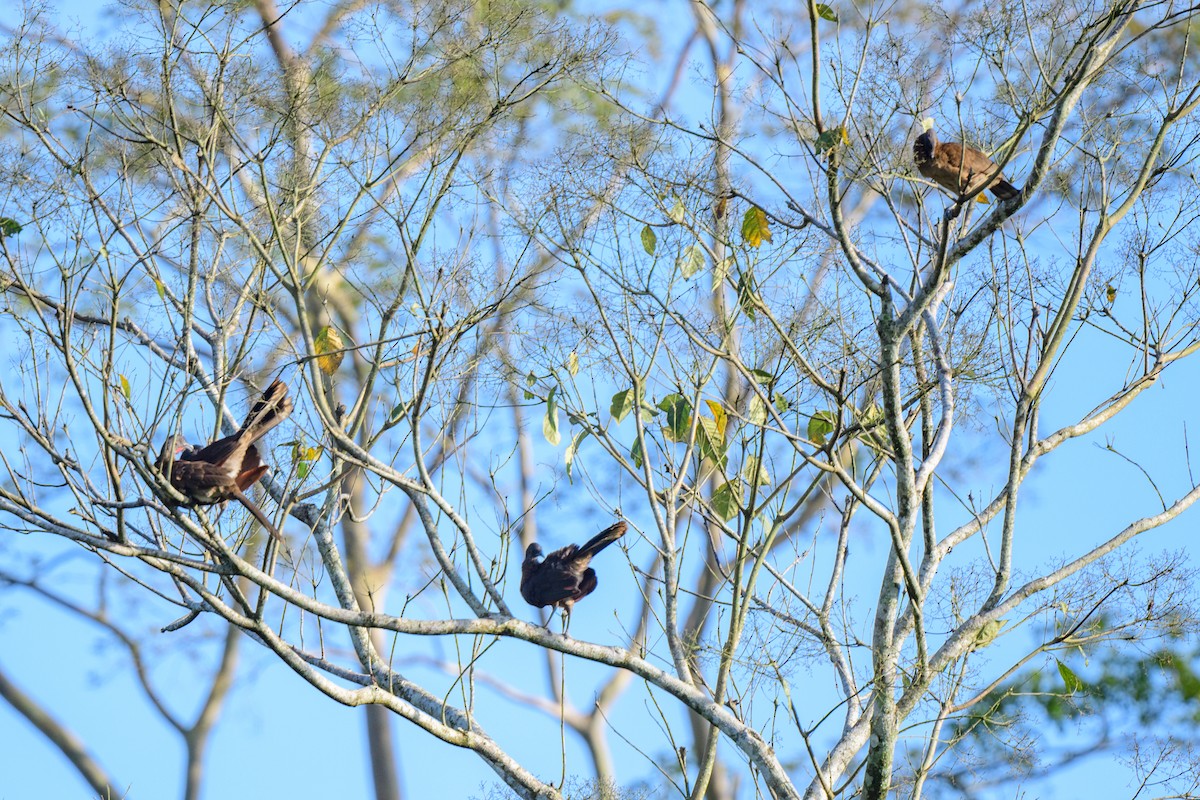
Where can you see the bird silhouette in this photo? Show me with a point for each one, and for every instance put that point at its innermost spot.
(226, 468)
(957, 167)
(563, 577)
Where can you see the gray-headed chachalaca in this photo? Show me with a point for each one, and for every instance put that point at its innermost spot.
(563, 578)
(226, 468)
(961, 169)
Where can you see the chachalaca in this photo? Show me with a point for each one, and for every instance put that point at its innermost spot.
(959, 168)
(226, 468)
(563, 578)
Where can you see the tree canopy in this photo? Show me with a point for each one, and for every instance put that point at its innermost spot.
(528, 272)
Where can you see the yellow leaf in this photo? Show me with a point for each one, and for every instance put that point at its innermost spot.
(573, 363)
(125, 390)
(328, 345)
(719, 416)
(755, 227)
(1110, 292)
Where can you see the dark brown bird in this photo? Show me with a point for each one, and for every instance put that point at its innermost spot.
(961, 169)
(226, 468)
(564, 577)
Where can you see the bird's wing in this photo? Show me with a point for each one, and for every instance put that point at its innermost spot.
(268, 411)
(975, 169)
(187, 476)
(947, 166)
(217, 452)
(548, 583)
(587, 584)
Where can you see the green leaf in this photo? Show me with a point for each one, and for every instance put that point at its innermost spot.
(550, 421)
(757, 413)
(691, 260)
(755, 227)
(874, 432)
(162, 290)
(826, 13)
(710, 437)
(820, 425)
(781, 403)
(988, 633)
(649, 240)
(622, 402)
(679, 417)
(303, 458)
(573, 448)
(530, 379)
(125, 390)
(677, 212)
(396, 414)
(721, 272)
(9, 227)
(755, 473)
(727, 499)
(763, 377)
(830, 139)
(636, 454)
(746, 292)
(1071, 681)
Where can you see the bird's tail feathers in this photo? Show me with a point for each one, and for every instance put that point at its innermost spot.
(262, 518)
(268, 411)
(601, 540)
(1004, 190)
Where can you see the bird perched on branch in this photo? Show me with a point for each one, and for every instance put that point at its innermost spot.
(959, 168)
(226, 468)
(563, 578)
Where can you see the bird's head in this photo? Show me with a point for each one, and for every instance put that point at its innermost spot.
(924, 144)
(174, 446)
(533, 551)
